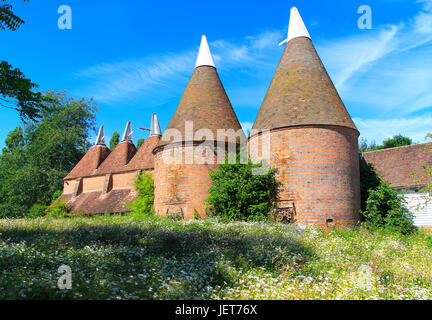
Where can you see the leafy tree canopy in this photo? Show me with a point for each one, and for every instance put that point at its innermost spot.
(114, 141)
(8, 19)
(17, 92)
(140, 143)
(39, 155)
(397, 141)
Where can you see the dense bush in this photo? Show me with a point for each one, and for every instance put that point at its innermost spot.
(385, 208)
(56, 195)
(369, 180)
(58, 210)
(237, 194)
(37, 210)
(143, 204)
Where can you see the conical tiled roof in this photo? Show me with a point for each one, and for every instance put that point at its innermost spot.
(118, 158)
(144, 158)
(204, 102)
(301, 92)
(89, 163)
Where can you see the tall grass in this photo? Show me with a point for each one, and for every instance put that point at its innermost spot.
(134, 257)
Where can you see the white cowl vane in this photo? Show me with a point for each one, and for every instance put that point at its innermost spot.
(296, 28)
(204, 56)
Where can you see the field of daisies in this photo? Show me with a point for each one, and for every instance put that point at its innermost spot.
(126, 257)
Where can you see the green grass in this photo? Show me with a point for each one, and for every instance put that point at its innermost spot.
(124, 257)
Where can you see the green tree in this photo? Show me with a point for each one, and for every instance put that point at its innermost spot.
(115, 139)
(397, 141)
(16, 91)
(385, 208)
(364, 146)
(237, 194)
(143, 204)
(8, 19)
(369, 180)
(37, 157)
(140, 143)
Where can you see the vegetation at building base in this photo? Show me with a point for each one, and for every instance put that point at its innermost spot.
(397, 141)
(124, 257)
(381, 205)
(237, 193)
(143, 204)
(385, 208)
(38, 155)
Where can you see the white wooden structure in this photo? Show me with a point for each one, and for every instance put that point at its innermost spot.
(420, 205)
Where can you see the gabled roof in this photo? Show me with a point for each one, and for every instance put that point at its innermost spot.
(396, 165)
(204, 102)
(89, 163)
(301, 92)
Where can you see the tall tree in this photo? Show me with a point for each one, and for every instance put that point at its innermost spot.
(115, 139)
(38, 156)
(8, 19)
(16, 91)
(397, 141)
(140, 142)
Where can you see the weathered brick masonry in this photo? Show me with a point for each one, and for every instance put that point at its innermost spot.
(312, 138)
(103, 181)
(181, 163)
(302, 126)
(319, 171)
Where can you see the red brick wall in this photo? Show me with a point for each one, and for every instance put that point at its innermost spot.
(319, 169)
(397, 165)
(181, 187)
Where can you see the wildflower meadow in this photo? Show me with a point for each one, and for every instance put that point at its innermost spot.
(137, 257)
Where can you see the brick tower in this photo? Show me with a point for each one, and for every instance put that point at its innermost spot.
(309, 137)
(193, 142)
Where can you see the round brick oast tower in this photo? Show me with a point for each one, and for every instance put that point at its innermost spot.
(182, 161)
(311, 139)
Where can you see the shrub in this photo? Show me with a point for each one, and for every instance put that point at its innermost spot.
(237, 194)
(369, 180)
(56, 195)
(37, 210)
(143, 204)
(385, 208)
(58, 210)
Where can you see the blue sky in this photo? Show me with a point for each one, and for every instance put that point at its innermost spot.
(136, 57)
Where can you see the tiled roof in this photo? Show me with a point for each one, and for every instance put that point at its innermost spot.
(98, 202)
(89, 163)
(144, 158)
(204, 102)
(396, 165)
(118, 158)
(301, 92)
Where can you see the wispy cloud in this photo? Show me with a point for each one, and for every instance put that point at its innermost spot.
(110, 82)
(384, 78)
(246, 126)
(379, 130)
(383, 75)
